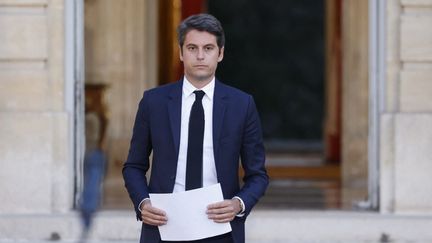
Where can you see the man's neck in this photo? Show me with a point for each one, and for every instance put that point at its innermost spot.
(199, 84)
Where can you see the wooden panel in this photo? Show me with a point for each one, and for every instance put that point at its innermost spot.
(23, 34)
(170, 68)
(329, 172)
(416, 38)
(416, 90)
(333, 80)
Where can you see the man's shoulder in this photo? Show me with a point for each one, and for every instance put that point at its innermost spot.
(232, 91)
(163, 89)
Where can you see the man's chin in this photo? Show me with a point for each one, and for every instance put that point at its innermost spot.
(202, 78)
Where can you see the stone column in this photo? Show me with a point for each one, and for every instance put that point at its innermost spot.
(36, 166)
(409, 108)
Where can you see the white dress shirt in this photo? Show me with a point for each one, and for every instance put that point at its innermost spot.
(209, 167)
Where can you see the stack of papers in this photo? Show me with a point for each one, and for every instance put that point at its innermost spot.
(186, 212)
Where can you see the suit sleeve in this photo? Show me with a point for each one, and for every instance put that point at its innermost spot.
(253, 159)
(137, 163)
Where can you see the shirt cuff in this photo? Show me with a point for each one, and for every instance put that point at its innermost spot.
(242, 205)
(139, 205)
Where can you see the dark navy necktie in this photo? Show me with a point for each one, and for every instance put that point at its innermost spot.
(194, 160)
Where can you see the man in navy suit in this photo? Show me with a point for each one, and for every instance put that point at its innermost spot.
(197, 110)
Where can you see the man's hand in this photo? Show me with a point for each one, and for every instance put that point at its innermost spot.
(225, 211)
(151, 215)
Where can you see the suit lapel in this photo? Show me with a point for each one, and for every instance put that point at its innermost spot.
(219, 107)
(174, 111)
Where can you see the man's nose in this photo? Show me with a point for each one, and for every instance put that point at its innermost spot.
(200, 54)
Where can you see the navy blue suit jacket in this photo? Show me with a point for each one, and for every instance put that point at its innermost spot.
(236, 135)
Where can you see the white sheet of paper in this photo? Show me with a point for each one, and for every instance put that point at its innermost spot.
(186, 212)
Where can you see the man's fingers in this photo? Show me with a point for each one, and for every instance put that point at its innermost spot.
(222, 218)
(219, 204)
(153, 216)
(220, 207)
(153, 219)
(221, 212)
(154, 222)
(227, 209)
(154, 210)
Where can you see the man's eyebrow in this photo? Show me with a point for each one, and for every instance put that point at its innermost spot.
(192, 44)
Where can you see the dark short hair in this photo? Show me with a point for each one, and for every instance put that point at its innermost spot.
(201, 22)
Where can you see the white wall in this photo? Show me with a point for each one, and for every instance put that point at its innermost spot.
(34, 175)
(406, 124)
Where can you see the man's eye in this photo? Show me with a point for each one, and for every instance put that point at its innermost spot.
(191, 48)
(209, 48)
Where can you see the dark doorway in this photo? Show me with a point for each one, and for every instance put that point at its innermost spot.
(275, 50)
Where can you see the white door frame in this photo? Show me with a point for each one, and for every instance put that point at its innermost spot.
(377, 67)
(74, 90)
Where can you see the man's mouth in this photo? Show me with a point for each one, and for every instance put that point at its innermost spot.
(200, 66)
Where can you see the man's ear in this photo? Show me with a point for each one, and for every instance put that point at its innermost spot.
(181, 53)
(221, 53)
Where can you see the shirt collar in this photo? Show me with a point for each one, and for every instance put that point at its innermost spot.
(188, 88)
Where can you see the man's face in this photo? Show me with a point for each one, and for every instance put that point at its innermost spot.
(200, 55)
